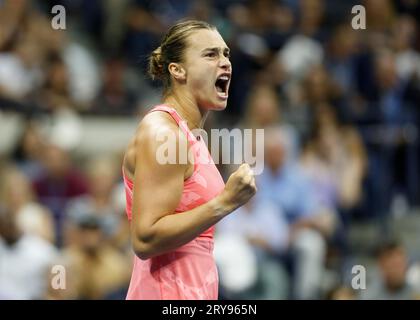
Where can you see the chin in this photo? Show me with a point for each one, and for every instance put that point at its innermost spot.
(216, 106)
(220, 107)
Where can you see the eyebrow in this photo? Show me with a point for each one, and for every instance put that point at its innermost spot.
(225, 49)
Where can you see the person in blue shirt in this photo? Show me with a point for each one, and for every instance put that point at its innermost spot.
(283, 182)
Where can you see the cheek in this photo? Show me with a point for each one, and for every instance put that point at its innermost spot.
(199, 83)
(200, 77)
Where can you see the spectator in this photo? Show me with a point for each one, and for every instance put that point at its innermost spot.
(407, 59)
(115, 97)
(343, 47)
(392, 284)
(261, 225)
(99, 201)
(55, 94)
(20, 72)
(17, 193)
(335, 158)
(28, 150)
(25, 261)
(287, 186)
(96, 269)
(59, 183)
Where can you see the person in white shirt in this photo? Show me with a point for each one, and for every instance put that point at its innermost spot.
(25, 261)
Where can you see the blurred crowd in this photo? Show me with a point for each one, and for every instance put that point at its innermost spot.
(340, 109)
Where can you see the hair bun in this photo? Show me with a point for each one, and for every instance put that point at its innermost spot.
(156, 64)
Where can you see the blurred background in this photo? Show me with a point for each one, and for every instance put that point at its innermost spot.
(340, 108)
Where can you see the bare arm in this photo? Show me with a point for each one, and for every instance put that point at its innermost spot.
(155, 229)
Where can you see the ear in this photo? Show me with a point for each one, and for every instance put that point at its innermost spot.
(177, 71)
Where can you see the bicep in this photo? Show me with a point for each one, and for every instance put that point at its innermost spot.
(157, 187)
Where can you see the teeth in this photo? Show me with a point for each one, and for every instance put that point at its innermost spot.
(226, 78)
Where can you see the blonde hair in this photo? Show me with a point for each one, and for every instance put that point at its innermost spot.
(172, 49)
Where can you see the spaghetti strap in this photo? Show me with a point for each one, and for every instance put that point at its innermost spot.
(181, 122)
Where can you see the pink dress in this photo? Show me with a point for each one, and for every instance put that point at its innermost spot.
(188, 272)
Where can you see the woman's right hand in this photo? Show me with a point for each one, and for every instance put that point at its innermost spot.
(240, 187)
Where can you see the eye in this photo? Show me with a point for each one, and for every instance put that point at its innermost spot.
(210, 54)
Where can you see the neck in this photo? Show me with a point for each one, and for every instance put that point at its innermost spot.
(188, 109)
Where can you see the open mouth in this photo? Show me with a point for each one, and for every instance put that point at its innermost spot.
(222, 84)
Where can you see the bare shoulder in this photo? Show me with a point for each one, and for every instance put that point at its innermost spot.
(153, 130)
(153, 124)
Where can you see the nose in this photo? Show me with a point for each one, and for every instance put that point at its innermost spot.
(225, 63)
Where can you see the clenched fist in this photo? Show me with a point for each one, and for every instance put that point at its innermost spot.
(240, 186)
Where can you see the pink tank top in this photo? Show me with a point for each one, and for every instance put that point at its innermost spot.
(205, 182)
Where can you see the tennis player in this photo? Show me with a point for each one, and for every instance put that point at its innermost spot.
(173, 207)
